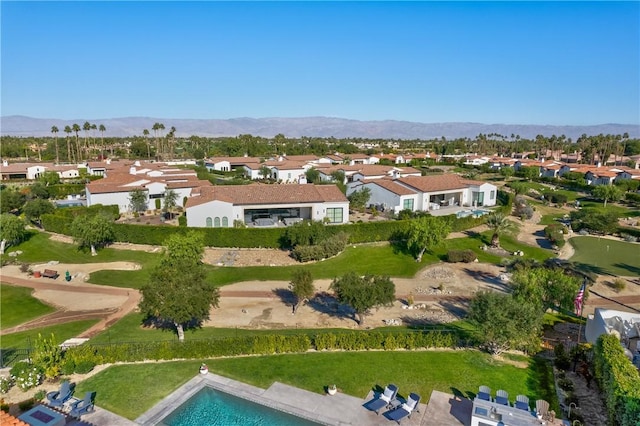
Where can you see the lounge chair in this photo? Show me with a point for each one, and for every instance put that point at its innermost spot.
(502, 397)
(405, 410)
(542, 408)
(384, 400)
(83, 406)
(522, 402)
(484, 393)
(59, 397)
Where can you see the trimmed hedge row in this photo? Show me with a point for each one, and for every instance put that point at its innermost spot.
(257, 345)
(326, 249)
(619, 381)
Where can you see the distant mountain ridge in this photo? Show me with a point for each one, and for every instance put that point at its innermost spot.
(17, 125)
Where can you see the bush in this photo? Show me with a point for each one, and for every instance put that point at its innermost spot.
(26, 405)
(39, 396)
(326, 249)
(619, 284)
(555, 234)
(26, 376)
(565, 384)
(182, 220)
(466, 256)
(5, 383)
(68, 367)
(562, 360)
(85, 366)
(619, 381)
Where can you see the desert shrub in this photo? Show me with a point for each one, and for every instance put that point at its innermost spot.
(619, 284)
(466, 256)
(521, 208)
(555, 234)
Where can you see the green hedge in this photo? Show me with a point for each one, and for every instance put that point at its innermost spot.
(257, 345)
(619, 381)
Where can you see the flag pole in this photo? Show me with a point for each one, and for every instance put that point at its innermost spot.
(580, 300)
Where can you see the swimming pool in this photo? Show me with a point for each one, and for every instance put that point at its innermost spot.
(212, 407)
(474, 213)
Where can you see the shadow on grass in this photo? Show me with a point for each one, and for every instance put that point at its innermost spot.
(326, 303)
(635, 270)
(541, 382)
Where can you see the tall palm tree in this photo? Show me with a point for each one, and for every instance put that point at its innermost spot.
(86, 127)
(94, 127)
(145, 133)
(102, 129)
(172, 140)
(161, 129)
(54, 130)
(156, 128)
(498, 223)
(67, 130)
(76, 129)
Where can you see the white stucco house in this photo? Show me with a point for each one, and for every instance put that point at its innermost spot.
(624, 325)
(266, 205)
(424, 193)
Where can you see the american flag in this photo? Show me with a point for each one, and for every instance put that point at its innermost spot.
(578, 301)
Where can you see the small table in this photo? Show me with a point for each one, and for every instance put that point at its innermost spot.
(395, 404)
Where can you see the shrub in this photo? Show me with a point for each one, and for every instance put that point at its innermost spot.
(562, 360)
(26, 405)
(26, 376)
(47, 356)
(521, 208)
(5, 383)
(619, 284)
(565, 384)
(466, 256)
(68, 367)
(85, 366)
(182, 220)
(39, 396)
(555, 234)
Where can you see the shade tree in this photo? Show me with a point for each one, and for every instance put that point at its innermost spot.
(301, 285)
(12, 230)
(362, 293)
(178, 291)
(425, 233)
(92, 231)
(607, 193)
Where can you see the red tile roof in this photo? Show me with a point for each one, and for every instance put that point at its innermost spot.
(269, 194)
(391, 185)
(7, 419)
(436, 183)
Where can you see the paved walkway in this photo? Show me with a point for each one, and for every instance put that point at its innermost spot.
(338, 410)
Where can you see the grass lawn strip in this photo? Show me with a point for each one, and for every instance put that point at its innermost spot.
(130, 390)
(18, 306)
(65, 331)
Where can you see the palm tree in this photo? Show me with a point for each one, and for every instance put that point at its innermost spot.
(54, 130)
(86, 127)
(156, 128)
(76, 129)
(145, 133)
(498, 223)
(102, 129)
(93, 136)
(67, 130)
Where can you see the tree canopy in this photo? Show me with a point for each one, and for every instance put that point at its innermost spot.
(499, 224)
(301, 286)
(426, 233)
(178, 291)
(545, 287)
(363, 293)
(34, 209)
(607, 193)
(504, 322)
(92, 231)
(12, 230)
(358, 199)
(138, 200)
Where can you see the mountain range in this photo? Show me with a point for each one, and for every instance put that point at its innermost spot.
(18, 125)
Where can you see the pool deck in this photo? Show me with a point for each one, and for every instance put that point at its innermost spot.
(338, 410)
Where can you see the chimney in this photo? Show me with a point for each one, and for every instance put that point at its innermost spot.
(5, 163)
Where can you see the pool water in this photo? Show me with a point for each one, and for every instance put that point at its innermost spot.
(211, 407)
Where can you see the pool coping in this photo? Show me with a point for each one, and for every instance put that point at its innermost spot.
(339, 409)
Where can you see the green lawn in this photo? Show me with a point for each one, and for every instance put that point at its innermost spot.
(61, 331)
(130, 390)
(602, 255)
(18, 306)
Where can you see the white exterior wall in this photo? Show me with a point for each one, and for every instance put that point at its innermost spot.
(486, 189)
(197, 215)
(120, 199)
(34, 172)
(288, 175)
(319, 211)
(221, 166)
(383, 196)
(252, 173)
(69, 174)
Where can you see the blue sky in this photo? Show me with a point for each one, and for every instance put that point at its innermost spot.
(504, 62)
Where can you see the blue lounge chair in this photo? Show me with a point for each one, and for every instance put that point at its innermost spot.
(83, 406)
(59, 397)
(522, 402)
(384, 400)
(405, 410)
(502, 397)
(484, 393)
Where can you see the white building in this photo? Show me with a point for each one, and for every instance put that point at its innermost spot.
(625, 325)
(424, 193)
(266, 205)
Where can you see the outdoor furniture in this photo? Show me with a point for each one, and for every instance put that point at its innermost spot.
(405, 410)
(502, 397)
(384, 400)
(59, 397)
(83, 406)
(522, 402)
(50, 273)
(484, 393)
(542, 409)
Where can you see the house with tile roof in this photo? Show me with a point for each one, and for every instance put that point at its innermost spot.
(424, 193)
(263, 205)
(116, 186)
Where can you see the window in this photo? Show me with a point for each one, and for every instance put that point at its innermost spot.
(334, 215)
(209, 222)
(225, 222)
(408, 204)
(216, 222)
(492, 196)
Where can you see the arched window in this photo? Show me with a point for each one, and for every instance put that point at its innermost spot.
(208, 222)
(216, 222)
(225, 222)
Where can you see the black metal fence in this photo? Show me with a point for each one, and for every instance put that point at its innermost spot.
(10, 356)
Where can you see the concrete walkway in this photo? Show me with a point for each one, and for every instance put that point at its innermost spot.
(338, 410)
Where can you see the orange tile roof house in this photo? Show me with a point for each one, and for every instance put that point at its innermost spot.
(266, 205)
(424, 193)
